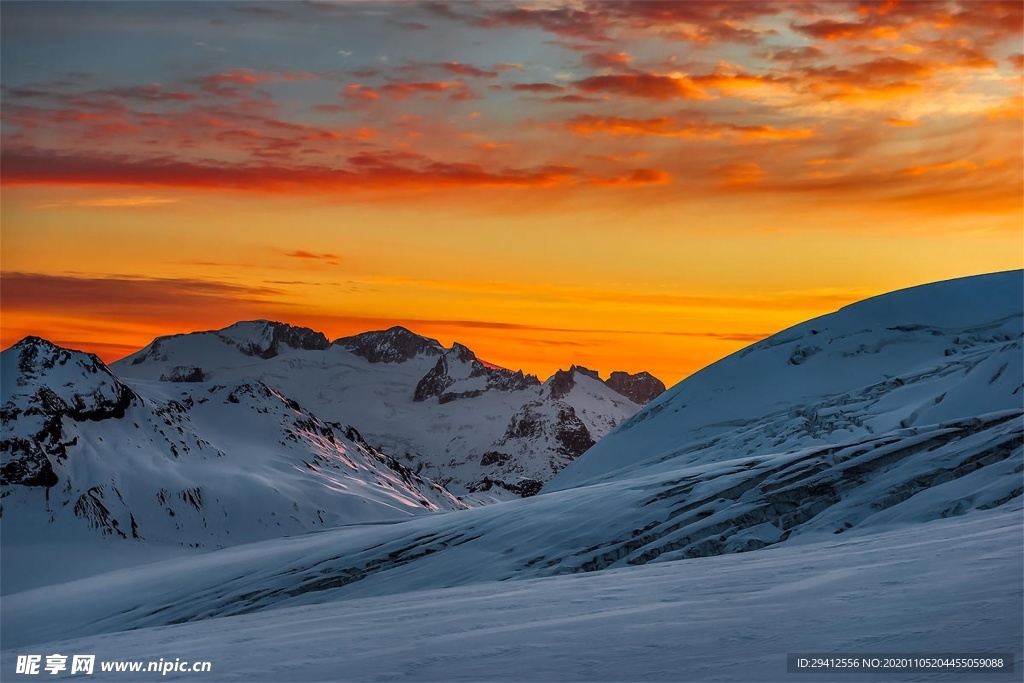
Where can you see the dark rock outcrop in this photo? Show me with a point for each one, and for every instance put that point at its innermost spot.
(274, 335)
(559, 422)
(562, 382)
(641, 388)
(184, 373)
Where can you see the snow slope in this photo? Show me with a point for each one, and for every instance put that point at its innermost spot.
(944, 586)
(916, 357)
(446, 413)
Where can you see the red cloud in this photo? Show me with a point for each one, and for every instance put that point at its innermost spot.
(400, 91)
(537, 87)
(369, 172)
(607, 60)
(647, 86)
(563, 21)
(997, 19)
(466, 70)
(249, 77)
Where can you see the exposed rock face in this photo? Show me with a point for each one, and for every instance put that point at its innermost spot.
(562, 382)
(554, 420)
(291, 336)
(435, 381)
(461, 366)
(641, 388)
(394, 345)
(184, 373)
(43, 383)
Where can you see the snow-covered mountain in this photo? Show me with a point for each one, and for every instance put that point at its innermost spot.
(190, 463)
(476, 428)
(909, 360)
(909, 425)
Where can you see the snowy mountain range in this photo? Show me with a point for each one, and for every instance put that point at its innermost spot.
(198, 464)
(474, 427)
(815, 492)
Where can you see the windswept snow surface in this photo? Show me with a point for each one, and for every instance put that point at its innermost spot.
(943, 586)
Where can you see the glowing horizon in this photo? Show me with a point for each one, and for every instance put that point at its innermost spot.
(621, 185)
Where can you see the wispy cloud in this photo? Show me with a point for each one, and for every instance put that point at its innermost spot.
(112, 202)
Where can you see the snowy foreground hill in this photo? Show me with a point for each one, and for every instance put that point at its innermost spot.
(850, 486)
(467, 424)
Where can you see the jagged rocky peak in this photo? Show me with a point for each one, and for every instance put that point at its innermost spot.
(641, 388)
(459, 374)
(264, 338)
(41, 384)
(562, 382)
(394, 345)
(462, 353)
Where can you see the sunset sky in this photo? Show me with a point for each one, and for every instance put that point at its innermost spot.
(623, 185)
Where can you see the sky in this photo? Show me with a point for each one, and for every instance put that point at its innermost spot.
(622, 185)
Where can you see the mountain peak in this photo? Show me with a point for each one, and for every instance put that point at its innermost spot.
(641, 388)
(258, 338)
(393, 345)
(459, 374)
(41, 384)
(562, 382)
(264, 338)
(40, 360)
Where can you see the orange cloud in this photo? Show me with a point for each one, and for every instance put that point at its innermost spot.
(668, 127)
(303, 254)
(662, 126)
(114, 202)
(740, 173)
(1009, 108)
(640, 176)
(940, 168)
